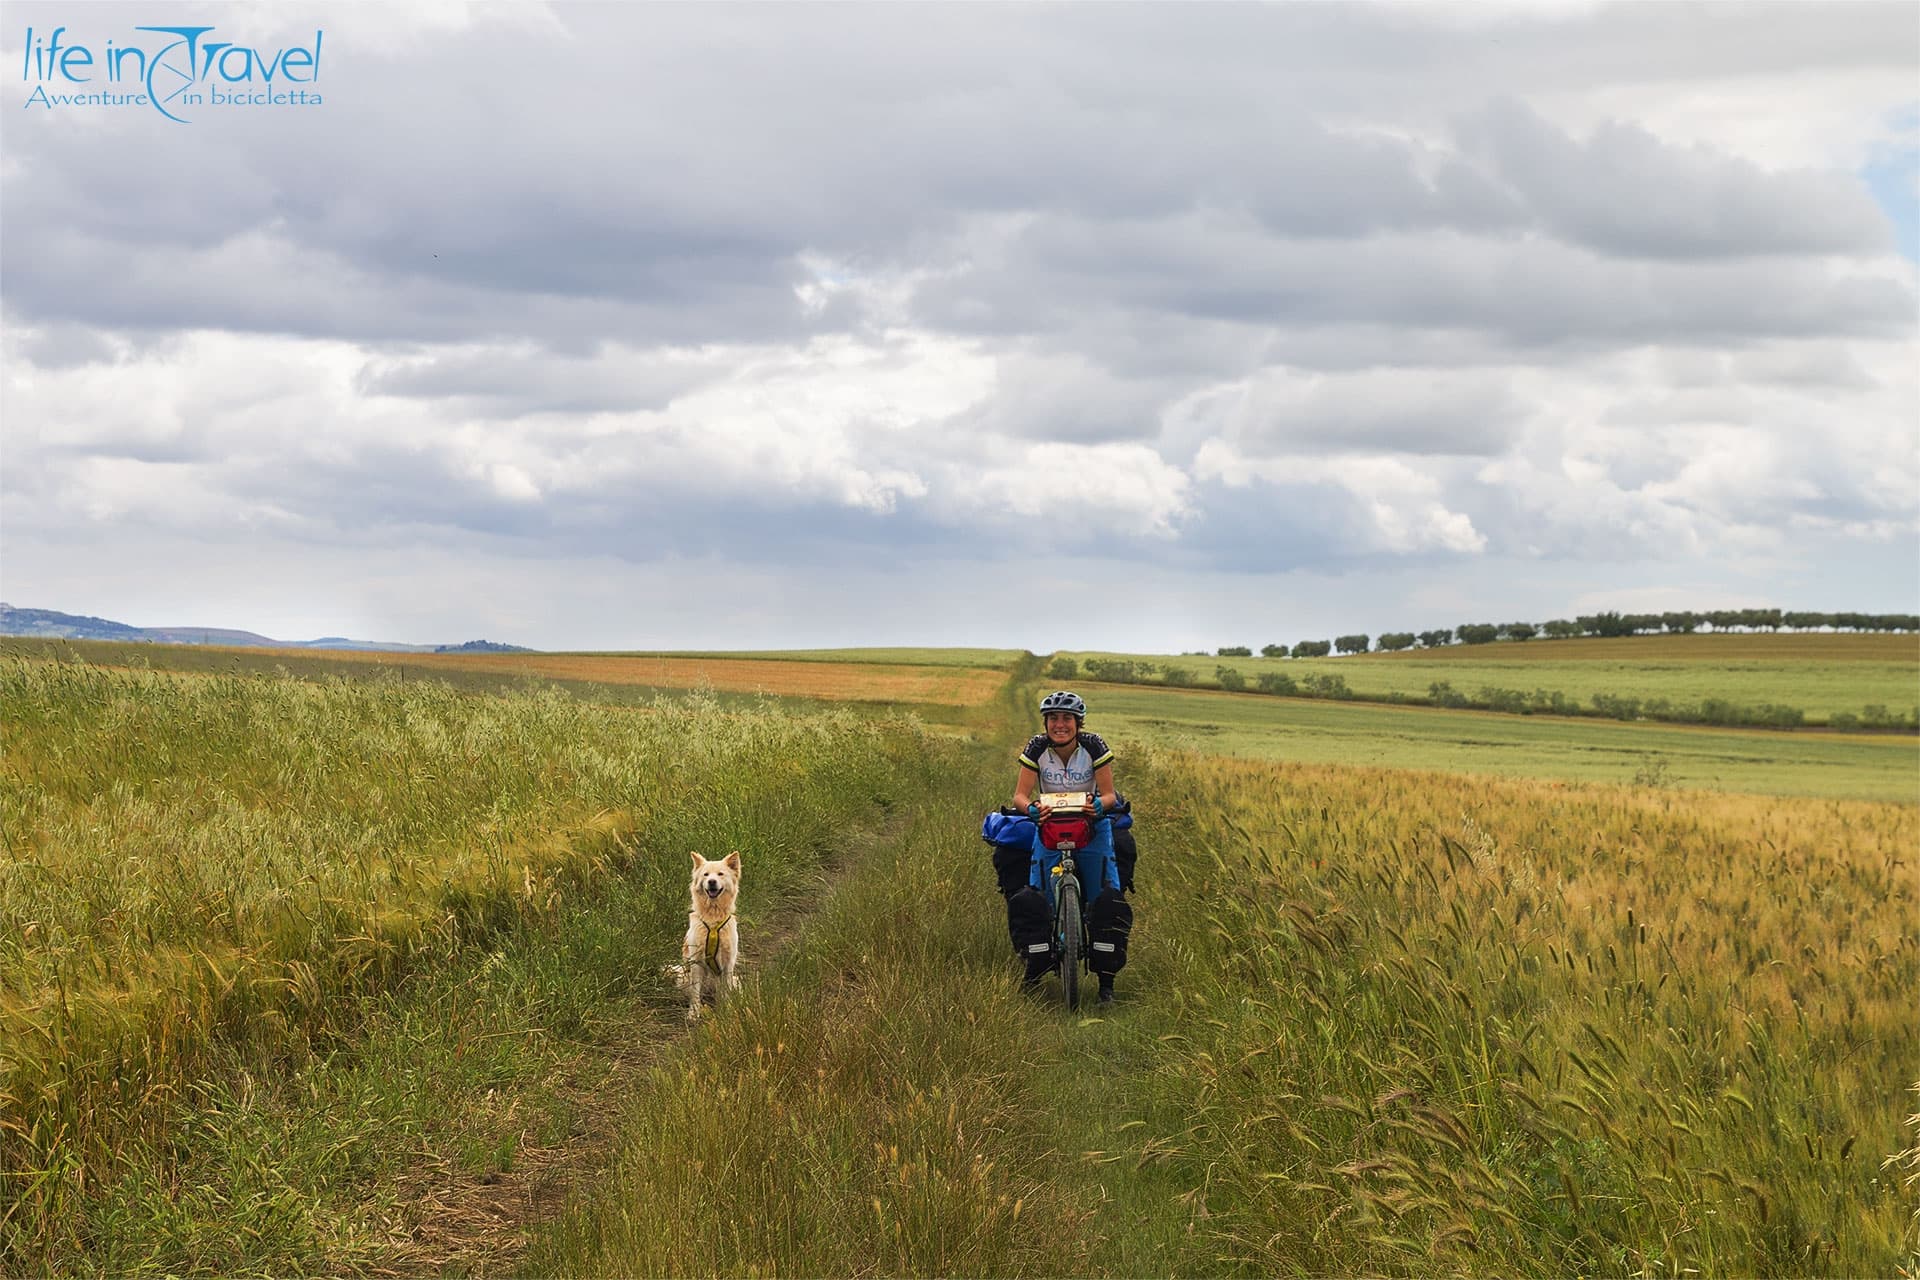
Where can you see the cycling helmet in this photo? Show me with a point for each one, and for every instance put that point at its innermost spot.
(1064, 701)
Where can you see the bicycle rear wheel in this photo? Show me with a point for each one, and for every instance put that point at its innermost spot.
(1070, 936)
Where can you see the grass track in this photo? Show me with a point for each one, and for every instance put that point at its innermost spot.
(887, 1103)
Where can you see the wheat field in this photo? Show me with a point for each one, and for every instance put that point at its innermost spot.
(322, 976)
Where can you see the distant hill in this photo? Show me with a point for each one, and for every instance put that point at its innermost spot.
(66, 626)
(483, 646)
(51, 624)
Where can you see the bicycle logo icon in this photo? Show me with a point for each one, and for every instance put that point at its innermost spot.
(167, 80)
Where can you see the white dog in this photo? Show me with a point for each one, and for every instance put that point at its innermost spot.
(711, 950)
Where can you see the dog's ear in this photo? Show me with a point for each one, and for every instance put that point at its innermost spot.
(697, 859)
(733, 860)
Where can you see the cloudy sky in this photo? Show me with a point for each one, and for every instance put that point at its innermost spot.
(1143, 327)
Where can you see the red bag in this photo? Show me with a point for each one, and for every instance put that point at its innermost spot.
(1059, 828)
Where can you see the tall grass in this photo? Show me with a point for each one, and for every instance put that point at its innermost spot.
(193, 863)
(885, 1105)
(1480, 1025)
(1375, 1022)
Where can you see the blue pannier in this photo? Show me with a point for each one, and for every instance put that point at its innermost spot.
(1007, 828)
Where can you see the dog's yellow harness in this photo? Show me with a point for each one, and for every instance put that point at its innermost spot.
(712, 948)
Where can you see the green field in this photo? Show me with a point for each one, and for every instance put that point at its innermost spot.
(1000, 659)
(1813, 763)
(1823, 675)
(349, 973)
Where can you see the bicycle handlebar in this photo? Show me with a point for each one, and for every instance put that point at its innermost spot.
(1124, 806)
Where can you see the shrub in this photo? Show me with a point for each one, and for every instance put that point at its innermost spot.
(1276, 682)
(1616, 708)
(1229, 679)
(1511, 701)
(1234, 651)
(1116, 671)
(1554, 703)
(1878, 717)
(1328, 686)
(1063, 669)
(1178, 677)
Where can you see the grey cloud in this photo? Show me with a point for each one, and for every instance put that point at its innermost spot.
(1408, 411)
(1533, 294)
(65, 346)
(1068, 399)
(1812, 366)
(1307, 182)
(545, 186)
(1261, 528)
(263, 285)
(622, 511)
(1625, 192)
(1277, 527)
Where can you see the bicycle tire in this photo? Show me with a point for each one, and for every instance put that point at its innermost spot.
(1070, 932)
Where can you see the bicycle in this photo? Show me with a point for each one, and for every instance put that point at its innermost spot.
(1066, 830)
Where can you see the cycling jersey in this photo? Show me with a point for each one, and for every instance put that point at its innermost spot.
(1076, 773)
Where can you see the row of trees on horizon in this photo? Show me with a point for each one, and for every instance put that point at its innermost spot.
(1598, 624)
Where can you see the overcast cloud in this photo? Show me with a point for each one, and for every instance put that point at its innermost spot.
(608, 326)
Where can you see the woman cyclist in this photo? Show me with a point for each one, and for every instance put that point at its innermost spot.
(1065, 757)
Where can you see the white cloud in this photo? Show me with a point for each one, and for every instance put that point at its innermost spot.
(1597, 289)
(1401, 502)
(1063, 492)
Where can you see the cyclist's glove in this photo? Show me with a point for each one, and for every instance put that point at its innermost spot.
(1033, 810)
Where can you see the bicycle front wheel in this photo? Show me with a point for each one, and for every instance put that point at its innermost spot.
(1070, 940)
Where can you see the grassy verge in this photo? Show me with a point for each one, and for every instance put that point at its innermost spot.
(207, 879)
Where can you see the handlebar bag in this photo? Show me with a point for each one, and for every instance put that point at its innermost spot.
(1077, 827)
